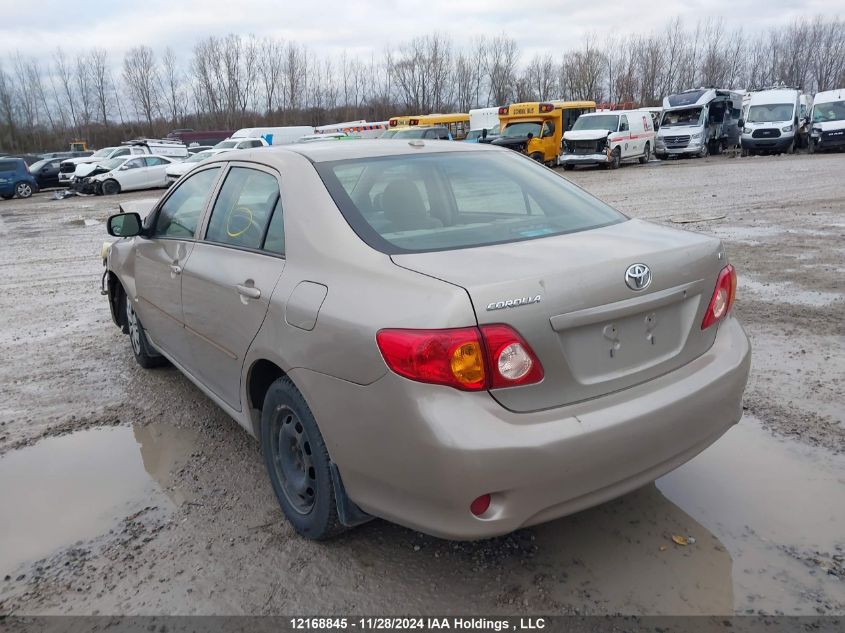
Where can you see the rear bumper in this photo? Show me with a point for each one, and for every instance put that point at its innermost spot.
(419, 454)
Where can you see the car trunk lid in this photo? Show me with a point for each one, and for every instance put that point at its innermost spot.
(567, 296)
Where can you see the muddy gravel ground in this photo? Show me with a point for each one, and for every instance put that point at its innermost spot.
(125, 491)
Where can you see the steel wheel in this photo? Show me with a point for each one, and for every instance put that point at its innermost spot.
(134, 330)
(23, 190)
(292, 460)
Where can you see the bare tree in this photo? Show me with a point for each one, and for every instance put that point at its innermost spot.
(140, 73)
(172, 84)
(99, 74)
(65, 77)
(501, 56)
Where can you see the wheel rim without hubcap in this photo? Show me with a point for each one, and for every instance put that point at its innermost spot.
(293, 460)
(134, 331)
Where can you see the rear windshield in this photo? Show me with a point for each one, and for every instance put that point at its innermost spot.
(444, 201)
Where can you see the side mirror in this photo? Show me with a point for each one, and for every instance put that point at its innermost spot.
(530, 135)
(124, 225)
(740, 123)
(484, 133)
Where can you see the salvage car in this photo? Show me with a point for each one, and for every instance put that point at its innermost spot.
(15, 178)
(46, 172)
(126, 173)
(175, 171)
(445, 335)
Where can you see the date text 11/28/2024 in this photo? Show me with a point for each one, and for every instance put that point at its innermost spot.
(417, 624)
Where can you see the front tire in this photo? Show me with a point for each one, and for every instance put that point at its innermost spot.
(141, 347)
(646, 155)
(568, 167)
(615, 159)
(110, 188)
(705, 151)
(23, 190)
(298, 463)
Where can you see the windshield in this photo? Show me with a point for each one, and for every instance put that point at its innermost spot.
(199, 156)
(523, 128)
(226, 145)
(607, 122)
(770, 113)
(687, 116)
(100, 153)
(417, 132)
(833, 111)
(114, 163)
(442, 201)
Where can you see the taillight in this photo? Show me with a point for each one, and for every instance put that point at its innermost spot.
(723, 297)
(464, 358)
(511, 360)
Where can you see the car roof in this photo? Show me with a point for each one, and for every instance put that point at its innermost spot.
(358, 148)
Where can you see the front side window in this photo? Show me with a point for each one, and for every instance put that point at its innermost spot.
(243, 208)
(442, 201)
(623, 124)
(135, 163)
(180, 213)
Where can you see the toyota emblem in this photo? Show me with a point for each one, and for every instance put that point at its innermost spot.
(638, 277)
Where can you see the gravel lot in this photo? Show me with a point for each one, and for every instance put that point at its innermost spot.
(128, 491)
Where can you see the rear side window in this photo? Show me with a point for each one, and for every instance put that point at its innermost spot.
(442, 201)
(8, 165)
(180, 214)
(243, 208)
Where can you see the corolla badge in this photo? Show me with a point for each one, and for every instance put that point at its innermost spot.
(513, 303)
(638, 277)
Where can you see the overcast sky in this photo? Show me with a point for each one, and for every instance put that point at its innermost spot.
(362, 27)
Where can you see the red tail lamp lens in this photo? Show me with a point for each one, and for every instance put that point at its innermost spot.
(443, 357)
(464, 358)
(480, 505)
(722, 299)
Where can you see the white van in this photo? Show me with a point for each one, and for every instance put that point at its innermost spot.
(607, 138)
(699, 122)
(484, 118)
(773, 122)
(828, 121)
(275, 135)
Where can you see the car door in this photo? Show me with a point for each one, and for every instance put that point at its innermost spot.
(131, 174)
(160, 258)
(624, 135)
(154, 172)
(49, 175)
(230, 276)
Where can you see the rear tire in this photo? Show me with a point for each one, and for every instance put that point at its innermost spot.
(110, 187)
(23, 190)
(298, 463)
(646, 154)
(143, 351)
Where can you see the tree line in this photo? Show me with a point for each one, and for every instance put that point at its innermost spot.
(244, 81)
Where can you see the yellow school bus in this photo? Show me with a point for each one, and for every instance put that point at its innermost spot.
(398, 121)
(457, 123)
(536, 128)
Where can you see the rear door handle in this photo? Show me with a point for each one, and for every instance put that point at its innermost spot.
(175, 270)
(248, 291)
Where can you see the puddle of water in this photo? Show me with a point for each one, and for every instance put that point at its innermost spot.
(786, 292)
(761, 497)
(78, 486)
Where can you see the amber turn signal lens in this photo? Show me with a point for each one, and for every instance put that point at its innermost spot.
(467, 363)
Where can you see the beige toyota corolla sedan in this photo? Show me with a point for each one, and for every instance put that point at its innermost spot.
(448, 336)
